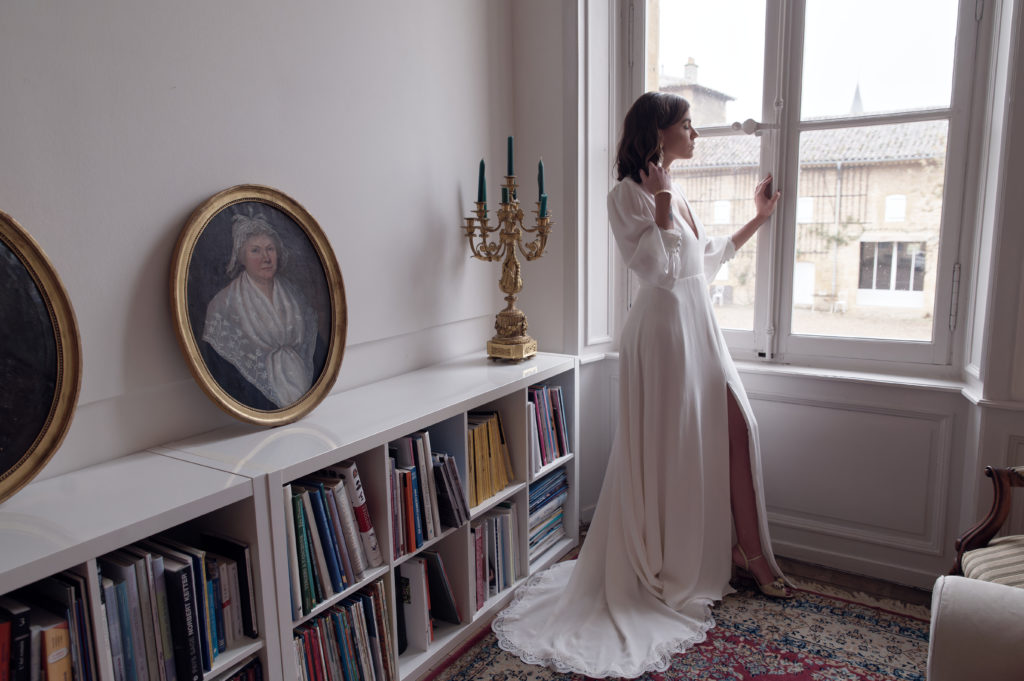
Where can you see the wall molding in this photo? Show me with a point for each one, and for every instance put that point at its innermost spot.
(932, 541)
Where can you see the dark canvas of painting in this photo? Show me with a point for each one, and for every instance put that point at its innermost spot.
(28, 361)
(259, 305)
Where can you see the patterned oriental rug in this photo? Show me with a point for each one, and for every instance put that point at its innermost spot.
(824, 634)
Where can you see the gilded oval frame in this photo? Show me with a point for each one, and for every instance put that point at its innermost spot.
(195, 280)
(47, 411)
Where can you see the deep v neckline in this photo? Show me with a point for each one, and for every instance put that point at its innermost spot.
(692, 222)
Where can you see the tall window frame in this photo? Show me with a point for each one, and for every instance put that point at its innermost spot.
(780, 128)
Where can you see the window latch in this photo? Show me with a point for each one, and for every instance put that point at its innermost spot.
(752, 127)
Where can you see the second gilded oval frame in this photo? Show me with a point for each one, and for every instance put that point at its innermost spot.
(258, 304)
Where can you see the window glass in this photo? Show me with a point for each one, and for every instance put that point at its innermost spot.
(907, 64)
(723, 81)
(851, 253)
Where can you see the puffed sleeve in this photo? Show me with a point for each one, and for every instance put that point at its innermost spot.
(648, 250)
(718, 251)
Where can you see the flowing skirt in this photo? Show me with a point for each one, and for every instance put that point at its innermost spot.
(658, 552)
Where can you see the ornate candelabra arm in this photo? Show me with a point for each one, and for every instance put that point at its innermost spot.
(535, 248)
(485, 249)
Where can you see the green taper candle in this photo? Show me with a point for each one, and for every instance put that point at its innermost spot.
(481, 185)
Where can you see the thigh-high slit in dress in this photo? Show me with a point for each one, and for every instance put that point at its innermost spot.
(658, 552)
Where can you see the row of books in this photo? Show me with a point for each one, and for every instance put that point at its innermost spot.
(332, 543)
(351, 641)
(425, 596)
(488, 461)
(45, 630)
(495, 551)
(546, 514)
(426, 493)
(547, 435)
(173, 606)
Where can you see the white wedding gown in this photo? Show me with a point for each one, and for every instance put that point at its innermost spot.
(658, 552)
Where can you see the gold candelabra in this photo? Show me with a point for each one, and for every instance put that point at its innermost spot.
(511, 342)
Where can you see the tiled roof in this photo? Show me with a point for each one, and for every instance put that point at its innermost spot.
(874, 144)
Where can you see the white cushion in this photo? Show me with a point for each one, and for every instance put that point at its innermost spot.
(977, 631)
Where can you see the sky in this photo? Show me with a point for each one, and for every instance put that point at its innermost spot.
(900, 52)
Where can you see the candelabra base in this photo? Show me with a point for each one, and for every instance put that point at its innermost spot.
(511, 349)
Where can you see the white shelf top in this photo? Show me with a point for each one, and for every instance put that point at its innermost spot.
(53, 524)
(353, 421)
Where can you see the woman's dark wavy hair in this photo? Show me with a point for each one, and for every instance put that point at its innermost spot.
(639, 144)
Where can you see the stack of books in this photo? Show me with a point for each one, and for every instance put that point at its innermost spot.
(489, 463)
(547, 435)
(172, 605)
(351, 640)
(426, 493)
(45, 630)
(496, 551)
(332, 543)
(546, 514)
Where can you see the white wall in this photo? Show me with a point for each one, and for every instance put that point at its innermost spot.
(120, 117)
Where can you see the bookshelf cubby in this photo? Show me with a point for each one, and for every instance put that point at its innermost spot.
(232, 481)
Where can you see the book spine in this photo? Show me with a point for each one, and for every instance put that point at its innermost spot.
(181, 609)
(306, 580)
(56, 653)
(431, 529)
(19, 648)
(295, 580)
(354, 487)
(347, 575)
(350, 529)
(325, 534)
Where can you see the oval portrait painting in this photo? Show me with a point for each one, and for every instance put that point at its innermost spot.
(259, 304)
(40, 358)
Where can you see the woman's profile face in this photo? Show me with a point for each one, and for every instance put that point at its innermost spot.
(259, 256)
(678, 140)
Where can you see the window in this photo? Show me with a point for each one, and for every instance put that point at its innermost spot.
(848, 134)
(805, 209)
(895, 208)
(723, 212)
(892, 266)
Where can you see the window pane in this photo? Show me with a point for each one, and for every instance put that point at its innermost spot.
(907, 64)
(869, 278)
(722, 79)
(867, 265)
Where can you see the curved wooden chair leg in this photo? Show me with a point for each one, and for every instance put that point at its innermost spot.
(1003, 479)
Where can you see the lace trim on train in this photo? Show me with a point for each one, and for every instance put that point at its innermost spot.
(663, 652)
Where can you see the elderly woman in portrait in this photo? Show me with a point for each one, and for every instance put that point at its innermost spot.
(260, 337)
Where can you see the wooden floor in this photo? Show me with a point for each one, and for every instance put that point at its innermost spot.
(870, 585)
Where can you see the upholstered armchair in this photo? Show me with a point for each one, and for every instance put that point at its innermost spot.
(979, 555)
(977, 620)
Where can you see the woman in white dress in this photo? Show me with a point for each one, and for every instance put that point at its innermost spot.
(684, 470)
(260, 334)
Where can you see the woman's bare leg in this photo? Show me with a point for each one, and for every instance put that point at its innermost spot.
(741, 496)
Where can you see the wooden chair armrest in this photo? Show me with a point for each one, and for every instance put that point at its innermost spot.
(1003, 479)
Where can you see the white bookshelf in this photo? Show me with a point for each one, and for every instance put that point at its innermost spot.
(359, 424)
(66, 522)
(232, 480)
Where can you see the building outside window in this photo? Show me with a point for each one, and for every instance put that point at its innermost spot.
(862, 272)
